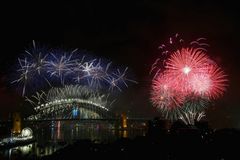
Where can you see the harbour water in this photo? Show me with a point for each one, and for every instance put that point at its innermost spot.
(52, 136)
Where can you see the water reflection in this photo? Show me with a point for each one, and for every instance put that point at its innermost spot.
(28, 151)
(57, 134)
(69, 132)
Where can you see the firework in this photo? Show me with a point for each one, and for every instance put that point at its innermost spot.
(164, 96)
(185, 63)
(119, 78)
(95, 73)
(37, 58)
(196, 72)
(211, 83)
(186, 82)
(193, 109)
(25, 74)
(59, 67)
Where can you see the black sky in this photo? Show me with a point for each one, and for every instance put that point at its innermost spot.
(128, 33)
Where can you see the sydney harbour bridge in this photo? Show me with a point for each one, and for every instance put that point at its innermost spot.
(70, 102)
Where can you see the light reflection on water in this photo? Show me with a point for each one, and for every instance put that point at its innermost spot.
(30, 150)
(55, 135)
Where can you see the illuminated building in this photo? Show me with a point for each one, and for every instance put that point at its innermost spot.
(16, 123)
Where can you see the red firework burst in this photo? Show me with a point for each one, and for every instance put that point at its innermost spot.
(211, 83)
(194, 71)
(186, 80)
(164, 95)
(187, 60)
(184, 63)
(188, 71)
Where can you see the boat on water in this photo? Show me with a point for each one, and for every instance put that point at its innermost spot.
(26, 137)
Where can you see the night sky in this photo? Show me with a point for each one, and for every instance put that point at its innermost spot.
(127, 33)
